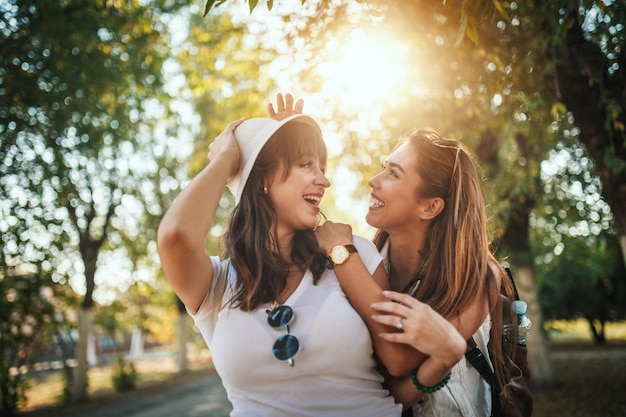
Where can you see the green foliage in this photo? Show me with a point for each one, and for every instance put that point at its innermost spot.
(584, 283)
(578, 262)
(251, 4)
(124, 377)
(27, 316)
(111, 319)
(227, 78)
(82, 90)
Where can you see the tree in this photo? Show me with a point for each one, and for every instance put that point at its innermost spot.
(78, 80)
(583, 284)
(590, 63)
(572, 220)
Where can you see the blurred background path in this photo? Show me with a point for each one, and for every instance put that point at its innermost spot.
(197, 396)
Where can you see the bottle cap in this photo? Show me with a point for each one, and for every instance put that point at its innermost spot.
(519, 307)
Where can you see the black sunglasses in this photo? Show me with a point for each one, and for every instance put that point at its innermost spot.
(287, 346)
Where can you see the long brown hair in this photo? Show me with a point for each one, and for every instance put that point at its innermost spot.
(457, 253)
(250, 241)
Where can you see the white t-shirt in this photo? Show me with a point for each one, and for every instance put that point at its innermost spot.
(334, 372)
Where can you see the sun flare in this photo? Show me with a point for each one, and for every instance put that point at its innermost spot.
(367, 69)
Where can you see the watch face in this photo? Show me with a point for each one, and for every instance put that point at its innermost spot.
(339, 254)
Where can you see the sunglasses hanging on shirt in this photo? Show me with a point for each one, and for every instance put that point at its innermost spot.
(287, 346)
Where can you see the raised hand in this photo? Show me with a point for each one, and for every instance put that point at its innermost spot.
(285, 107)
(225, 145)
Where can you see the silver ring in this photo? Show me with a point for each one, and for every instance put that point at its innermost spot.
(399, 324)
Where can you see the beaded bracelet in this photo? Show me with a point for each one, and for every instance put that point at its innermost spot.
(434, 388)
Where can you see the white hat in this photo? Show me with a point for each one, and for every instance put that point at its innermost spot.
(251, 136)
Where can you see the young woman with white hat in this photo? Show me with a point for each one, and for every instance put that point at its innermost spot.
(285, 341)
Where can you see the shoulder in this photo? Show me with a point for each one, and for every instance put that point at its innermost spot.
(364, 246)
(496, 272)
(368, 252)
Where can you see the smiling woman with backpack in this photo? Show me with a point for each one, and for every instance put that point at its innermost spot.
(429, 210)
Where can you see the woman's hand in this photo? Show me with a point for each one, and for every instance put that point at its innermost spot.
(331, 234)
(285, 108)
(225, 146)
(420, 327)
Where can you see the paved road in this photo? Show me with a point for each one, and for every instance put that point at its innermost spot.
(200, 397)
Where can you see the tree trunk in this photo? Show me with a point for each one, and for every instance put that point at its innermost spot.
(136, 345)
(622, 242)
(89, 249)
(85, 319)
(182, 339)
(541, 370)
(597, 331)
(517, 239)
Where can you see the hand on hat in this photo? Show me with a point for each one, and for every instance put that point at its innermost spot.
(285, 108)
(225, 146)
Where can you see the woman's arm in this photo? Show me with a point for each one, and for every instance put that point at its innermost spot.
(184, 226)
(397, 350)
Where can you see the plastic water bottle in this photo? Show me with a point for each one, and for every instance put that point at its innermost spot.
(523, 322)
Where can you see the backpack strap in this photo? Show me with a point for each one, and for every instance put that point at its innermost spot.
(512, 281)
(476, 357)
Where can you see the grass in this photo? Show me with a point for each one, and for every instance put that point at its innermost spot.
(578, 331)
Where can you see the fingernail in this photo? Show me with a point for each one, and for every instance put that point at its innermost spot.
(385, 293)
(374, 305)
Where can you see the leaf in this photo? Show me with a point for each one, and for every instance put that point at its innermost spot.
(210, 4)
(207, 7)
(471, 30)
(461, 32)
(252, 4)
(558, 109)
(500, 9)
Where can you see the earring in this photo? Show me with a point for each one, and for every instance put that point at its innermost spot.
(321, 219)
(264, 190)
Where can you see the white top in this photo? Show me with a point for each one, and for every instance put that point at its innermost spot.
(334, 373)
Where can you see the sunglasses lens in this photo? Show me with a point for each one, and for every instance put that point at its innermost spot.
(280, 316)
(286, 347)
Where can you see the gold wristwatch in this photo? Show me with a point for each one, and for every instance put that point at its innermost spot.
(340, 254)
